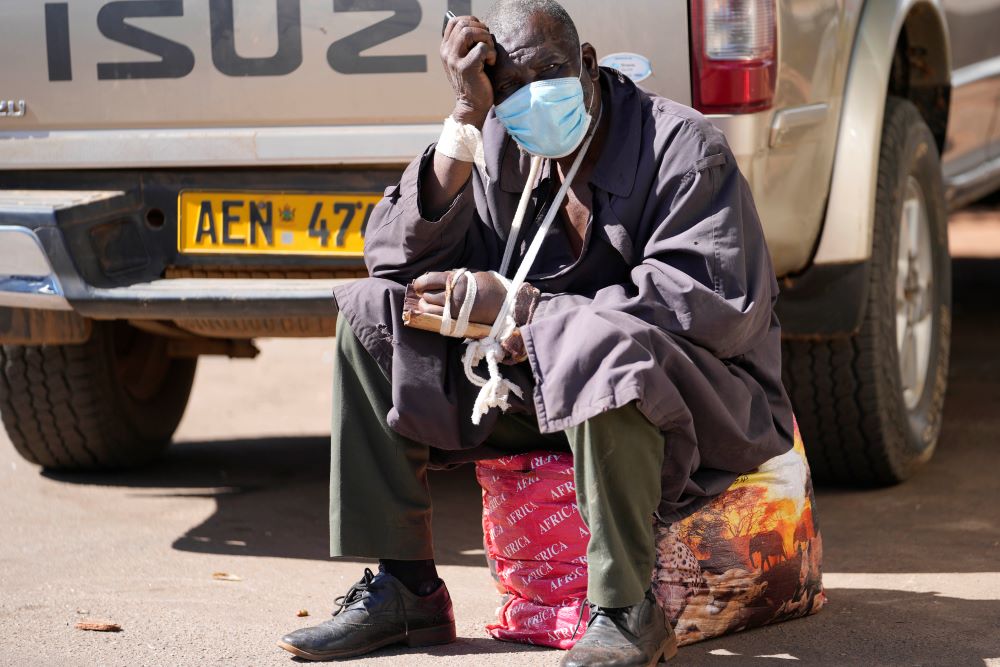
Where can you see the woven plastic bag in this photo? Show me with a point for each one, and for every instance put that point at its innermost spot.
(750, 558)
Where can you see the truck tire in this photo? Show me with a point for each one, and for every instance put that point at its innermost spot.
(869, 405)
(113, 402)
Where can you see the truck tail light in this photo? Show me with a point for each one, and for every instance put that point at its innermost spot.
(734, 48)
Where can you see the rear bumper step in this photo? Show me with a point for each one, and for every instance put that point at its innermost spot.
(185, 298)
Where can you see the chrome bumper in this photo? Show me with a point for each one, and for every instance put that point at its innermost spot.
(27, 279)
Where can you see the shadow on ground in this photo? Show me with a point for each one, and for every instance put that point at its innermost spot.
(870, 627)
(484, 650)
(272, 498)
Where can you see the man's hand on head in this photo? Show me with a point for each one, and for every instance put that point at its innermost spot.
(466, 49)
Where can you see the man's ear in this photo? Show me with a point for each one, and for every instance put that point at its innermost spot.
(590, 61)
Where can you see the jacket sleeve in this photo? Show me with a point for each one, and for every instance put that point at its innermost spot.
(704, 273)
(401, 244)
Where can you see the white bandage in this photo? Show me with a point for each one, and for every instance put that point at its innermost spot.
(462, 142)
(449, 327)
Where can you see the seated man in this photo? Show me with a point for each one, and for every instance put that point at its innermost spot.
(646, 341)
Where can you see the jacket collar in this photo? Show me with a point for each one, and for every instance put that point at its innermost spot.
(615, 169)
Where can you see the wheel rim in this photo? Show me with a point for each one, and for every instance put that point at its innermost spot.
(914, 300)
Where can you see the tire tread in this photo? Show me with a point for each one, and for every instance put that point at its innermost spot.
(842, 389)
(61, 410)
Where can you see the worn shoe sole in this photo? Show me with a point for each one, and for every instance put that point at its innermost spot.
(666, 651)
(442, 634)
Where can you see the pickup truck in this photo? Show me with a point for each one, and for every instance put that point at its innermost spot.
(179, 178)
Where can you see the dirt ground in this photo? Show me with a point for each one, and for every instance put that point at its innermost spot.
(913, 572)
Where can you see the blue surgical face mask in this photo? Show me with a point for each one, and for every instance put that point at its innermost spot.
(547, 118)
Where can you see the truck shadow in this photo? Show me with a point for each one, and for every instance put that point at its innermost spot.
(272, 494)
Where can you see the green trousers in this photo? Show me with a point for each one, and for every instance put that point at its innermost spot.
(380, 501)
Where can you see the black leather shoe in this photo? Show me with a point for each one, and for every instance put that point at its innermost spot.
(636, 636)
(377, 611)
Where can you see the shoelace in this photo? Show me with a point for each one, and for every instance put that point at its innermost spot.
(596, 611)
(358, 591)
(579, 620)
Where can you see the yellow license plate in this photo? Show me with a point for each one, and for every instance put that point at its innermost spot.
(261, 223)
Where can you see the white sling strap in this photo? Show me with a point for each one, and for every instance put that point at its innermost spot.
(495, 391)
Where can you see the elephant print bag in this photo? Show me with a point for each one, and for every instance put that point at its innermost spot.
(752, 557)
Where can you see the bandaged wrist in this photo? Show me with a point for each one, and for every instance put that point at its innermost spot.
(461, 142)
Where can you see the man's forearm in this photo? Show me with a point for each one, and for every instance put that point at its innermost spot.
(403, 242)
(441, 184)
(448, 177)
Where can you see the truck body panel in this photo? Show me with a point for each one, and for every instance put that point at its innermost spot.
(230, 92)
(787, 152)
(847, 231)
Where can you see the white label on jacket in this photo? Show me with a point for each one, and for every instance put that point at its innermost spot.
(632, 65)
